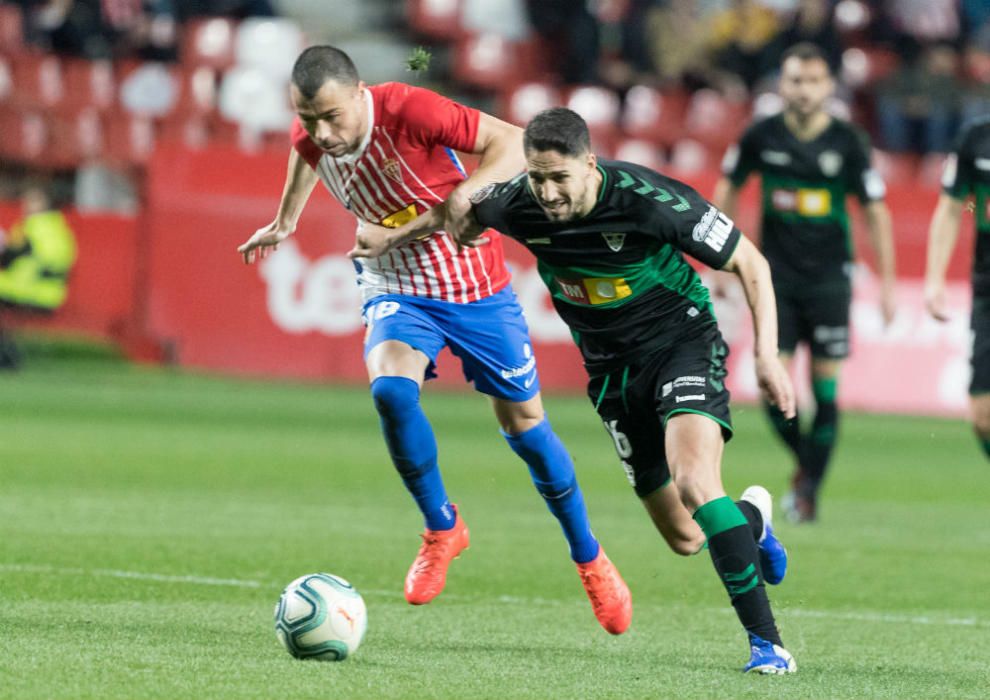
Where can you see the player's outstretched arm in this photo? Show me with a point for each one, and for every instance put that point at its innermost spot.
(500, 146)
(753, 272)
(881, 232)
(300, 179)
(942, 235)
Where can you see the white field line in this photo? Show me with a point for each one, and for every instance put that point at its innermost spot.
(788, 611)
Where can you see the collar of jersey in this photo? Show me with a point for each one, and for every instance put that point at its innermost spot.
(353, 157)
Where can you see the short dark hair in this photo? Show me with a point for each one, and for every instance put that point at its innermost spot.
(320, 64)
(806, 51)
(557, 129)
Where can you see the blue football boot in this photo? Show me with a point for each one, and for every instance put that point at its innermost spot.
(768, 658)
(773, 556)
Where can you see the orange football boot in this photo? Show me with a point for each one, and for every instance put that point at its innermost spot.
(608, 593)
(428, 573)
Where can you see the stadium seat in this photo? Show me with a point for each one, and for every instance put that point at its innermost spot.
(653, 115)
(208, 42)
(689, 157)
(714, 120)
(269, 44)
(255, 101)
(436, 19)
(73, 137)
(522, 103)
(23, 135)
(600, 109)
(11, 29)
(193, 131)
(38, 80)
(6, 80)
(486, 61)
(89, 84)
(641, 152)
(131, 139)
(150, 88)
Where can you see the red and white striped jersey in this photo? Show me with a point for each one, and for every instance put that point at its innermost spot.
(404, 166)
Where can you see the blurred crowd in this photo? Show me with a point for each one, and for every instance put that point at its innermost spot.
(101, 29)
(924, 65)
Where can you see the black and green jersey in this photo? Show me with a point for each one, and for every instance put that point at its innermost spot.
(805, 228)
(967, 172)
(617, 276)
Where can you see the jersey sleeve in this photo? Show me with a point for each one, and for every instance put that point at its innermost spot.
(678, 215)
(303, 144)
(741, 158)
(435, 120)
(863, 178)
(957, 174)
(488, 206)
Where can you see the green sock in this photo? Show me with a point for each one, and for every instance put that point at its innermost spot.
(736, 559)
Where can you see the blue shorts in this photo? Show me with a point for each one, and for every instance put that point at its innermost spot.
(489, 336)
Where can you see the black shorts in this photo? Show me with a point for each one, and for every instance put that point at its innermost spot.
(817, 315)
(980, 357)
(636, 402)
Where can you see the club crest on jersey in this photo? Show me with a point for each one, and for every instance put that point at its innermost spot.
(614, 241)
(482, 194)
(392, 168)
(830, 162)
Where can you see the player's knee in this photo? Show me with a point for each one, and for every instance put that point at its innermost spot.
(394, 396)
(693, 488)
(685, 546)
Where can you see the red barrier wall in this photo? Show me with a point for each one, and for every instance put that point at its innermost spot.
(174, 276)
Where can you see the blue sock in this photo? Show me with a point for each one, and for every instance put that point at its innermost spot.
(553, 475)
(413, 447)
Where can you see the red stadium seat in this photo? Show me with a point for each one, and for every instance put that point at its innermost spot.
(131, 139)
(600, 109)
(714, 120)
(23, 136)
(525, 101)
(486, 61)
(11, 29)
(641, 152)
(6, 80)
(209, 42)
(650, 114)
(38, 80)
(437, 19)
(865, 66)
(689, 157)
(89, 84)
(73, 138)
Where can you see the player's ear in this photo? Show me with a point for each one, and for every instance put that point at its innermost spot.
(592, 161)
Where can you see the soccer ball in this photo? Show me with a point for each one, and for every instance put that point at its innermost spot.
(320, 616)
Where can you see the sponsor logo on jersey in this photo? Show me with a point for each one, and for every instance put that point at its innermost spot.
(689, 381)
(690, 397)
(400, 218)
(537, 241)
(830, 162)
(776, 157)
(392, 169)
(594, 290)
(713, 229)
(805, 202)
(482, 194)
(614, 241)
(982, 163)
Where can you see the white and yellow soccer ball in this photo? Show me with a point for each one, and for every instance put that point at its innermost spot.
(320, 616)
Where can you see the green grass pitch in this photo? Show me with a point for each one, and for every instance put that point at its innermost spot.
(149, 519)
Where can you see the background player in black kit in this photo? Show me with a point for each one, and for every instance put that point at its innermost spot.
(810, 162)
(967, 172)
(609, 237)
